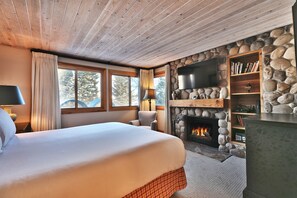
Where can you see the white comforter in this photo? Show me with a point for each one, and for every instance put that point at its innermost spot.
(102, 160)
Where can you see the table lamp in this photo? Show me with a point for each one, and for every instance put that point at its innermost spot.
(9, 96)
(149, 95)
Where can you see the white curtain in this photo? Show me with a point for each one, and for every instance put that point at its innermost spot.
(167, 98)
(46, 112)
(146, 80)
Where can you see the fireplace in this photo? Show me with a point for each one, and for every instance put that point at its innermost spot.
(203, 130)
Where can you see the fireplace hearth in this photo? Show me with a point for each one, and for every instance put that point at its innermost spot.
(203, 130)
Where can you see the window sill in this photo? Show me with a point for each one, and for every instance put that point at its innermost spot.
(122, 108)
(82, 110)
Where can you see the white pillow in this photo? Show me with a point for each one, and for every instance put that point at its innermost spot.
(7, 127)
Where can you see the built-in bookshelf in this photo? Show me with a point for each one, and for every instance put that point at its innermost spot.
(245, 91)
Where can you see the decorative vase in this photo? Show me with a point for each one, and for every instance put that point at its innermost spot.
(173, 95)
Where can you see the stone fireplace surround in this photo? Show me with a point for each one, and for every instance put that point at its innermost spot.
(279, 81)
(220, 114)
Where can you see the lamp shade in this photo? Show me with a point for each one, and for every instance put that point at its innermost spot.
(149, 94)
(10, 95)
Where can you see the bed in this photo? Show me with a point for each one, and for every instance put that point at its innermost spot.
(100, 160)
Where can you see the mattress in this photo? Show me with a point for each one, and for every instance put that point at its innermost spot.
(101, 160)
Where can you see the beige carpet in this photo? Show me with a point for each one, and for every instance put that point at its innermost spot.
(209, 178)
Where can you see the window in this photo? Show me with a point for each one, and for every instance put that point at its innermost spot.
(159, 84)
(81, 88)
(123, 90)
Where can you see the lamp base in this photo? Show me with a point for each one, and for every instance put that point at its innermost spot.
(8, 110)
(13, 116)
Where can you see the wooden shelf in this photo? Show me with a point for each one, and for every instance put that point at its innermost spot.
(238, 142)
(244, 74)
(248, 93)
(238, 127)
(205, 103)
(243, 113)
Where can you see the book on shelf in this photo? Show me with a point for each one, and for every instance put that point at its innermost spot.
(243, 138)
(240, 137)
(256, 67)
(246, 67)
(232, 68)
(250, 67)
(253, 67)
(240, 68)
(240, 120)
(237, 67)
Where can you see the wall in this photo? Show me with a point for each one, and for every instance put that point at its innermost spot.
(15, 69)
(279, 67)
(279, 74)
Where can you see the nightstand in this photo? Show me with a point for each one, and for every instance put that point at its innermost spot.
(23, 127)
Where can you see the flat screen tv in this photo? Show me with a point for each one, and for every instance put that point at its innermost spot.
(199, 75)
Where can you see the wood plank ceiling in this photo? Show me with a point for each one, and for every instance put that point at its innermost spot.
(142, 33)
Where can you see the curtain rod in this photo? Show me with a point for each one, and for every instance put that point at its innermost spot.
(87, 59)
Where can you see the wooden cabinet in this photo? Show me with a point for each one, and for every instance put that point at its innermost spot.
(271, 156)
(245, 78)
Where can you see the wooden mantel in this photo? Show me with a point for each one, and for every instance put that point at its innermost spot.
(204, 103)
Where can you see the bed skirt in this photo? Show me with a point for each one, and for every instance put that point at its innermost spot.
(163, 186)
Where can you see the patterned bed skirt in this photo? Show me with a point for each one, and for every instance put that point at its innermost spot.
(163, 186)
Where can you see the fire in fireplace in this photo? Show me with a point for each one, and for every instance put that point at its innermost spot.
(203, 130)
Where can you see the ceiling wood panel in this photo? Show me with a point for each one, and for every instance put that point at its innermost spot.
(216, 42)
(142, 33)
(21, 10)
(11, 23)
(156, 9)
(91, 20)
(155, 32)
(208, 33)
(102, 24)
(60, 8)
(6, 37)
(121, 25)
(47, 9)
(184, 31)
(34, 13)
(67, 20)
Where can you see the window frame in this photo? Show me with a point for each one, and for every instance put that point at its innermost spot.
(158, 75)
(75, 67)
(120, 73)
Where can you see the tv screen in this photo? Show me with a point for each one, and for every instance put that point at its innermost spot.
(199, 75)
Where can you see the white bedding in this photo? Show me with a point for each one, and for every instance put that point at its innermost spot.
(102, 160)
